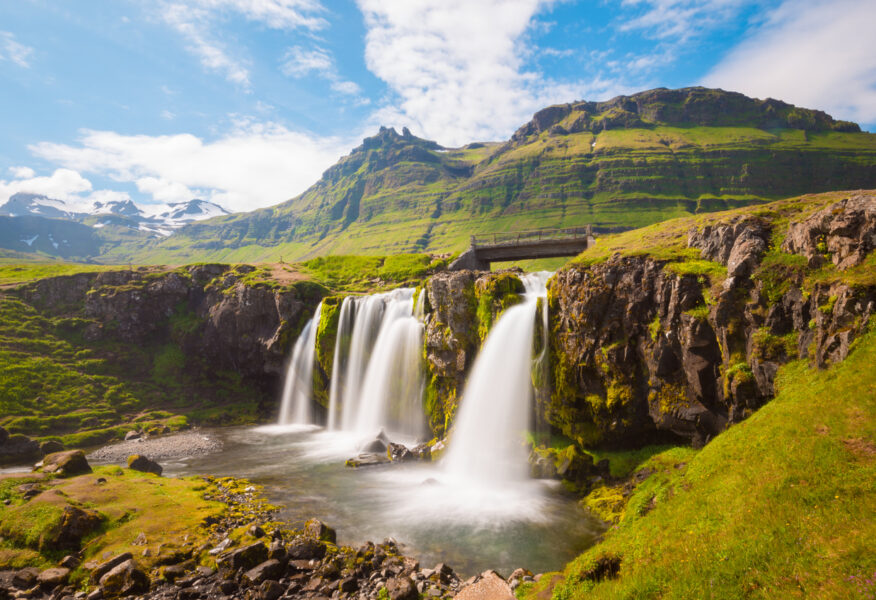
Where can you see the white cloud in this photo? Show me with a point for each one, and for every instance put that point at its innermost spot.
(108, 196)
(14, 51)
(812, 54)
(195, 21)
(681, 20)
(22, 172)
(191, 23)
(277, 14)
(299, 62)
(256, 164)
(167, 115)
(63, 184)
(348, 88)
(457, 67)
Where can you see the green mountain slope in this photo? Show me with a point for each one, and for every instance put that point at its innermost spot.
(624, 163)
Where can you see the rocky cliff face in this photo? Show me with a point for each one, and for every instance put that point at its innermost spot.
(643, 349)
(218, 318)
(460, 308)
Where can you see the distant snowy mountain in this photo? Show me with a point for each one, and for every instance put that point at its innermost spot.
(154, 219)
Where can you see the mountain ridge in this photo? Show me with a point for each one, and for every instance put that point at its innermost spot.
(624, 163)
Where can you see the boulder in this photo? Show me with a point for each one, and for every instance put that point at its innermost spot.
(53, 577)
(51, 446)
(25, 578)
(304, 548)
(75, 524)
(270, 590)
(138, 462)
(270, 569)
(399, 453)
(316, 529)
(368, 459)
(490, 586)
(245, 557)
(374, 446)
(105, 567)
(401, 588)
(18, 447)
(125, 579)
(132, 435)
(422, 451)
(65, 464)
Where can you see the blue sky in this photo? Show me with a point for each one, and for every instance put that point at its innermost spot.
(246, 102)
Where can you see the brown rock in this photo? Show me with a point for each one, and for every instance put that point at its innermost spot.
(65, 464)
(316, 529)
(138, 462)
(124, 579)
(489, 587)
(401, 588)
(105, 567)
(243, 558)
(53, 577)
(75, 524)
(270, 569)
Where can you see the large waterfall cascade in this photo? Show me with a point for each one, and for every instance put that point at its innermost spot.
(486, 445)
(297, 403)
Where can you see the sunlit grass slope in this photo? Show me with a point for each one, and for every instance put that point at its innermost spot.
(782, 505)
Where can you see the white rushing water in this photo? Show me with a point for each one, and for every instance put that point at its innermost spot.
(380, 382)
(486, 446)
(339, 363)
(296, 407)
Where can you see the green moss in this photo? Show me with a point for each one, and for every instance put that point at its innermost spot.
(326, 338)
(767, 346)
(493, 296)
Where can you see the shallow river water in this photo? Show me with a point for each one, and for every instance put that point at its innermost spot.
(468, 525)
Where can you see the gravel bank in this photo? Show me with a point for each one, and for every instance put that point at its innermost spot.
(170, 447)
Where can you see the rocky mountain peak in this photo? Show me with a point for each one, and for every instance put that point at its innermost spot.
(686, 107)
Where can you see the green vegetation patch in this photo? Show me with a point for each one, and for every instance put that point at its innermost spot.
(779, 505)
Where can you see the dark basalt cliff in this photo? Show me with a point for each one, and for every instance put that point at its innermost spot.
(218, 318)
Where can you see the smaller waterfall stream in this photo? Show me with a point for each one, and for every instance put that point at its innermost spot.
(296, 407)
(486, 446)
(339, 363)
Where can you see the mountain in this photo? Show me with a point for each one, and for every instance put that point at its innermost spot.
(37, 223)
(628, 162)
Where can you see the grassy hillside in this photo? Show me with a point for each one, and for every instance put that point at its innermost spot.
(781, 505)
(620, 164)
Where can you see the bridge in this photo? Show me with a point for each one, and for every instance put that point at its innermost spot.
(522, 245)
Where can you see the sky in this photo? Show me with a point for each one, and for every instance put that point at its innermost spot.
(246, 102)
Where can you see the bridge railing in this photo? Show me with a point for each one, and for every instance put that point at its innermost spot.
(531, 235)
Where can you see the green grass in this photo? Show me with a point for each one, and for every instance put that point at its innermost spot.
(778, 506)
(362, 273)
(19, 272)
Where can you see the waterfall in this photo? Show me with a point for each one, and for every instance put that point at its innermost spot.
(297, 404)
(378, 380)
(339, 363)
(393, 385)
(486, 444)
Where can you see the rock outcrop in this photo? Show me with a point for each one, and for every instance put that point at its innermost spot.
(643, 349)
(460, 308)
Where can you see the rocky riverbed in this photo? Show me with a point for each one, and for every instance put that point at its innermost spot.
(247, 554)
(169, 447)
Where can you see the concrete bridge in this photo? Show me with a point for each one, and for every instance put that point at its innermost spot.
(522, 245)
